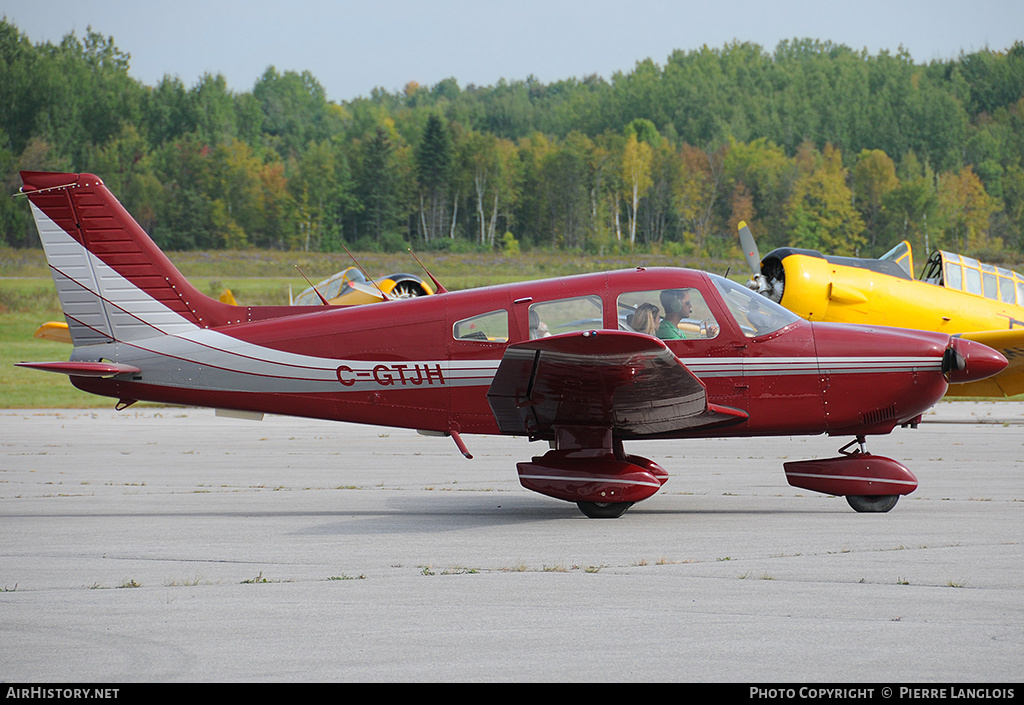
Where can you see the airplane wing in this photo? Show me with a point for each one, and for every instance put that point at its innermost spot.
(625, 381)
(54, 330)
(1008, 382)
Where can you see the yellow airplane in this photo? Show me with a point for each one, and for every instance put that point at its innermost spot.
(955, 295)
(350, 287)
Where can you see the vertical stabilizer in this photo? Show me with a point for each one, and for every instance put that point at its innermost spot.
(114, 283)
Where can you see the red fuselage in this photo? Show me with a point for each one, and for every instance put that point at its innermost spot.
(802, 378)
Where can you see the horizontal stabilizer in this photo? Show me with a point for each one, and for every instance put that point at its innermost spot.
(82, 369)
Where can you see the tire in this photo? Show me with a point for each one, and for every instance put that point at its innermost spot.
(604, 510)
(873, 503)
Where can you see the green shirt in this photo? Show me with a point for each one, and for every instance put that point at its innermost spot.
(669, 331)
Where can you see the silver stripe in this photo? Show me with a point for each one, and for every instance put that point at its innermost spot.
(606, 480)
(849, 477)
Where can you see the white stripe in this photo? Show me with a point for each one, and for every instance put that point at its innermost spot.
(606, 480)
(850, 477)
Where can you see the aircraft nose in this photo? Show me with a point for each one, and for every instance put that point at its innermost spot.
(969, 361)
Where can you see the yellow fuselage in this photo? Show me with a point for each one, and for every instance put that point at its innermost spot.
(819, 290)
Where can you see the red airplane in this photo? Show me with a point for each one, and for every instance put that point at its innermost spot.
(573, 361)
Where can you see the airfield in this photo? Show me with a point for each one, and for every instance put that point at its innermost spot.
(172, 545)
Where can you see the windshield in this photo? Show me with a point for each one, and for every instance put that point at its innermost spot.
(755, 314)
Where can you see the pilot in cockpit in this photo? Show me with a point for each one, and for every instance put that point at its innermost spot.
(676, 303)
(678, 308)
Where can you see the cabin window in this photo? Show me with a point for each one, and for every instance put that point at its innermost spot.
(645, 312)
(491, 327)
(565, 316)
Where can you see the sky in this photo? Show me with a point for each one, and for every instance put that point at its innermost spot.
(353, 47)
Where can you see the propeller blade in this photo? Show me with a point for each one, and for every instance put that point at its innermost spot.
(749, 249)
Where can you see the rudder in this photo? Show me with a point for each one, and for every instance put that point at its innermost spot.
(113, 281)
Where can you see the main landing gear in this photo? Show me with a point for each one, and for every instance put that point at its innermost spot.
(589, 467)
(870, 483)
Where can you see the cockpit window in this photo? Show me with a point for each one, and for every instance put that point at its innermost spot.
(755, 314)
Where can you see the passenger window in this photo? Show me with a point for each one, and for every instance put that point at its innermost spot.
(565, 316)
(672, 314)
(489, 327)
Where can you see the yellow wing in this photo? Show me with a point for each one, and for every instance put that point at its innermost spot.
(54, 330)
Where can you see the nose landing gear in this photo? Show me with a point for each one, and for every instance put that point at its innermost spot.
(870, 483)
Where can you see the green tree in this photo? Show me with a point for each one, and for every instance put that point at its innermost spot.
(295, 110)
(910, 205)
(636, 176)
(322, 189)
(127, 169)
(874, 177)
(965, 209)
(433, 168)
(696, 193)
(377, 184)
(821, 215)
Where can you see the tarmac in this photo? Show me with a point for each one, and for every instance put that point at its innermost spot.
(172, 545)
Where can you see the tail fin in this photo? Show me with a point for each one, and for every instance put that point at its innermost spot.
(113, 281)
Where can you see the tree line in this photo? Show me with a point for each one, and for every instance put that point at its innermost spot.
(814, 145)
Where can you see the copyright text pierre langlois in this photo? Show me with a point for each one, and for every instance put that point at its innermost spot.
(885, 693)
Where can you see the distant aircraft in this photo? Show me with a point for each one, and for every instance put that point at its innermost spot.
(470, 362)
(956, 295)
(350, 287)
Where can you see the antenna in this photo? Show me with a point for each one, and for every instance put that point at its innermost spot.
(315, 291)
(360, 268)
(438, 286)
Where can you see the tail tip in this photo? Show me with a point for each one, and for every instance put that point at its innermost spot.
(42, 180)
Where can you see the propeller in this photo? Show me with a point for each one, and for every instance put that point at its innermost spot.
(757, 280)
(749, 248)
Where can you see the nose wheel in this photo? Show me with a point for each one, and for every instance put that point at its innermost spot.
(872, 503)
(879, 503)
(604, 510)
(870, 483)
